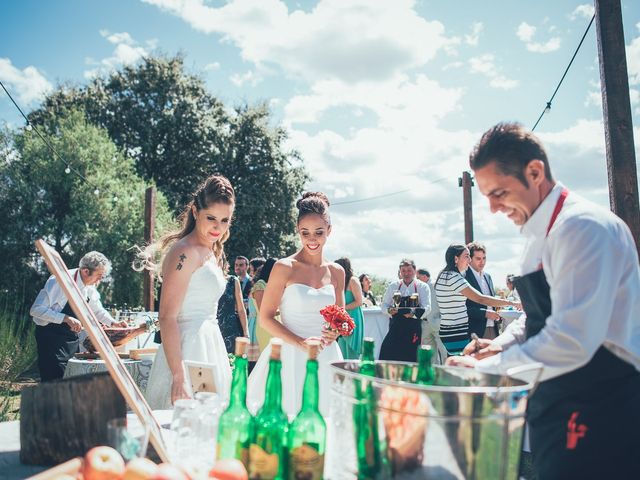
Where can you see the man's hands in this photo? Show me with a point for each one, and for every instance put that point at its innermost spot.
(474, 351)
(121, 324)
(491, 315)
(74, 323)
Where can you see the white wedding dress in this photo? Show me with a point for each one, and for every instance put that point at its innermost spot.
(300, 312)
(200, 336)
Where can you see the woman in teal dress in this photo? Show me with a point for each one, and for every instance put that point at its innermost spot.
(352, 346)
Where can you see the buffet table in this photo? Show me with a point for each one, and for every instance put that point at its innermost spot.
(376, 326)
(139, 369)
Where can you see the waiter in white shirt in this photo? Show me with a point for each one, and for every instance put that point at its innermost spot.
(580, 289)
(405, 326)
(56, 326)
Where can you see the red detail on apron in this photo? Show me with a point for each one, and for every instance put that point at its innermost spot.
(575, 431)
(415, 338)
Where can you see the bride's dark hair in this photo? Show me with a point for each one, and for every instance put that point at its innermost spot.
(313, 203)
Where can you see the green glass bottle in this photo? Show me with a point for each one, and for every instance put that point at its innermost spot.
(365, 418)
(308, 431)
(426, 372)
(267, 454)
(236, 423)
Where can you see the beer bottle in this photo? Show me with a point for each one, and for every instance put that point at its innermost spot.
(365, 417)
(308, 431)
(267, 454)
(236, 423)
(426, 372)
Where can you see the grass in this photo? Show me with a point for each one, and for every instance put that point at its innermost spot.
(17, 353)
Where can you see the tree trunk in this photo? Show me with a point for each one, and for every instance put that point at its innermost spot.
(63, 419)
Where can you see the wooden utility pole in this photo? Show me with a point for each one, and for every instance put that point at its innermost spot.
(149, 227)
(466, 183)
(618, 125)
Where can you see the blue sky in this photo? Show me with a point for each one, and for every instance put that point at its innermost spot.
(378, 96)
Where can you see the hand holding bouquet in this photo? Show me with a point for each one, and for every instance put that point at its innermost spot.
(336, 319)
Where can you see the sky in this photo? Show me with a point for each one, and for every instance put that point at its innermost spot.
(383, 99)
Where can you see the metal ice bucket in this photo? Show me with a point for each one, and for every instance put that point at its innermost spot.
(468, 425)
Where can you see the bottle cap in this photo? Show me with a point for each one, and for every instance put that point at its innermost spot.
(313, 347)
(242, 343)
(276, 346)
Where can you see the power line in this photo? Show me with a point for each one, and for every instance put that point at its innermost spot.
(376, 197)
(548, 105)
(31, 127)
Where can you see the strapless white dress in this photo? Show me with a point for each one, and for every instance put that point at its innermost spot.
(200, 336)
(300, 312)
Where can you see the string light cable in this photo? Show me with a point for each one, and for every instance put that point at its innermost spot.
(68, 167)
(547, 107)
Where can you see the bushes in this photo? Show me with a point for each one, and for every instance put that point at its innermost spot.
(17, 352)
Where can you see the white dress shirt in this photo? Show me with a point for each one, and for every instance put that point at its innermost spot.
(416, 286)
(484, 288)
(47, 308)
(591, 264)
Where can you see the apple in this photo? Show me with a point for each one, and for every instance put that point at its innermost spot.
(166, 471)
(102, 463)
(140, 469)
(229, 469)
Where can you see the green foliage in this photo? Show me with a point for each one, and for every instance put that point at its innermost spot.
(38, 200)
(17, 351)
(178, 134)
(266, 184)
(378, 285)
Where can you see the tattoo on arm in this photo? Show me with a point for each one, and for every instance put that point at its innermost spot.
(182, 257)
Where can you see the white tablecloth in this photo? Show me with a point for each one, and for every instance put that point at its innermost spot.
(139, 369)
(376, 326)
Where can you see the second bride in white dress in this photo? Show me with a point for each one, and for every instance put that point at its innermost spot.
(300, 286)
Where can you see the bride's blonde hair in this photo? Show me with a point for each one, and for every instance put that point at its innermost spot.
(215, 189)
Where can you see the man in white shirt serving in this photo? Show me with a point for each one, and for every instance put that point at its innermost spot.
(405, 326)
(580, 289)
(56, 326)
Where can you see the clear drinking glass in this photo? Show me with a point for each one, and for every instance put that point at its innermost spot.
(129, 440)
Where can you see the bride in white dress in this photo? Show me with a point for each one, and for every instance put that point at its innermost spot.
(300, 286)
(192, 283)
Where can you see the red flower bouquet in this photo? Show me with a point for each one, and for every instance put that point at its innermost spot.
(337, 319)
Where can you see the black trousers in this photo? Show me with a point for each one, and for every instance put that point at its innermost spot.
(56, 345)
(589, 432)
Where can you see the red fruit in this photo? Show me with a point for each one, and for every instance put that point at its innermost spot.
(102, 463)
(229, 469)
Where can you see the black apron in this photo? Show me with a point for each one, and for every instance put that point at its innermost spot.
(586, 423)
(403, 339)
(57, 344)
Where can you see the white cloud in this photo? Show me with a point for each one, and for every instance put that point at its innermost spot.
(126, 52)
(351, 40)
(585, 10)
(27, 85)
(249, 77)
(474, 36)
(633, 59)
(526, 32)
(485, 65)
(212, 66)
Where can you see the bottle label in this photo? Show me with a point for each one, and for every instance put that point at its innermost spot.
(262, 465)
(306, 463)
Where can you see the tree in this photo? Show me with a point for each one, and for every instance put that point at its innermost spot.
(102, 211)
(178, 134)
(266, 182)
(163, 118)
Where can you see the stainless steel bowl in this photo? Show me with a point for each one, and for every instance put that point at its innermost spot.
(469, 425)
